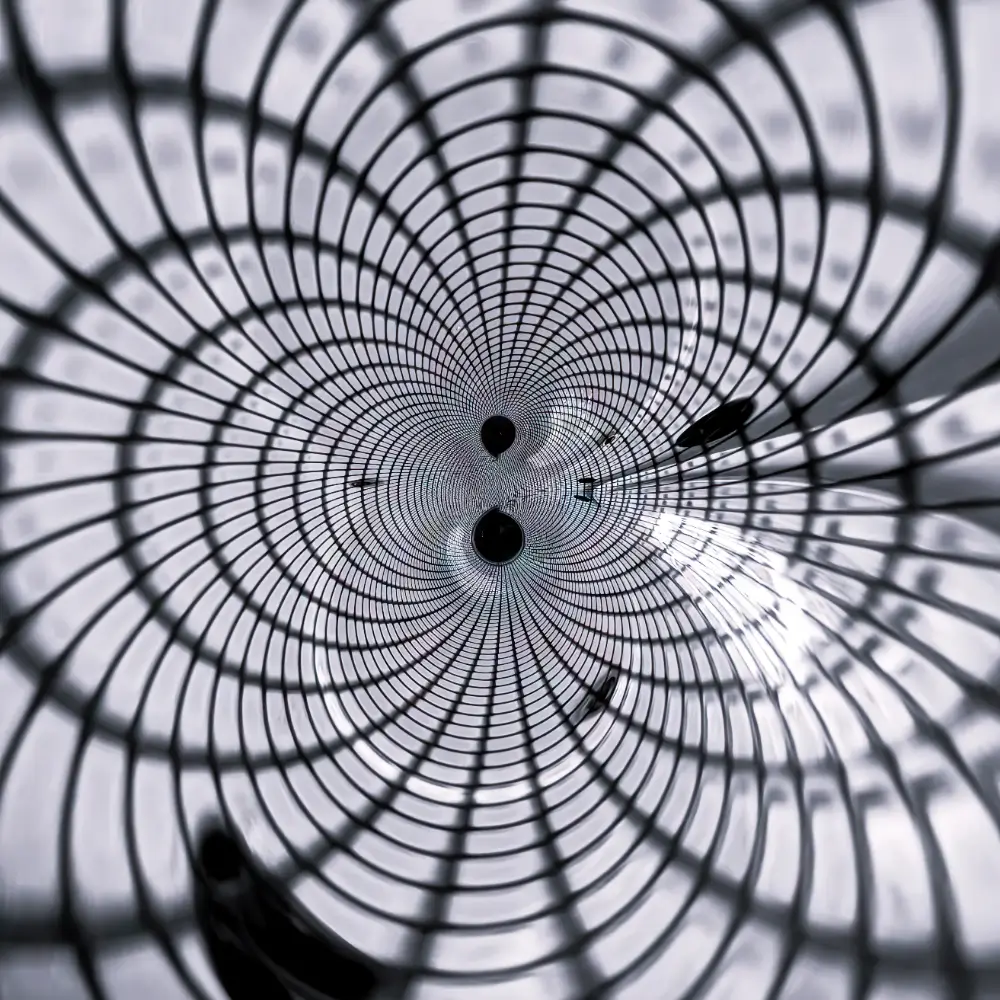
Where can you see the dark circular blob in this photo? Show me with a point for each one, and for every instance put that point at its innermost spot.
(498, 538)
(722, 422)
(497, 434)
(220, 856)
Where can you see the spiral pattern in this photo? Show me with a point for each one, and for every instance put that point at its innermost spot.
(267, 266)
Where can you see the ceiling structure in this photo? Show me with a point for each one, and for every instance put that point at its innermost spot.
(267, 267)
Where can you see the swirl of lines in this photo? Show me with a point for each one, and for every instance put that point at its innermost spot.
(728, 724)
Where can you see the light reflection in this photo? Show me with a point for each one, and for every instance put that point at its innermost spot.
(767, 621)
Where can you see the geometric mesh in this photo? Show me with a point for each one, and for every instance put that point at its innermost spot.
(266, 267)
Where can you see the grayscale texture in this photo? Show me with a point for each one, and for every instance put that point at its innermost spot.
(255, 251)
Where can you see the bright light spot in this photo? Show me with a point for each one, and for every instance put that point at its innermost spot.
(767, 620)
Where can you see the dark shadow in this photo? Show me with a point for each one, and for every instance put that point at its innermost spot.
(586, 490)
(262, 944)
(598, 698)
(720, 423)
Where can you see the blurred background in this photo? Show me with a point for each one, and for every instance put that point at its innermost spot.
(255, 251)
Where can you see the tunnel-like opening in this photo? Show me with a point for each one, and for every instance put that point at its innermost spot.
(497, 537)
(497, 434)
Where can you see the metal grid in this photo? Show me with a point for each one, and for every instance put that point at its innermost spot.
(266, 266)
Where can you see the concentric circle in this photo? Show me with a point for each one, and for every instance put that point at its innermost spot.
(268, 268)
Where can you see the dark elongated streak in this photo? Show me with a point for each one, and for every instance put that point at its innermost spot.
(262, 946)
(720, 423)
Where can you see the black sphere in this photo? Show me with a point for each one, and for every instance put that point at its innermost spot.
(497, 536)
(497, 435)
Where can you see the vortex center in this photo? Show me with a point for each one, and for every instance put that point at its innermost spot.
(497, 434)
(497, 537)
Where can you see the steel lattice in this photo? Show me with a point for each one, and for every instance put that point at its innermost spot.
(266, 267)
